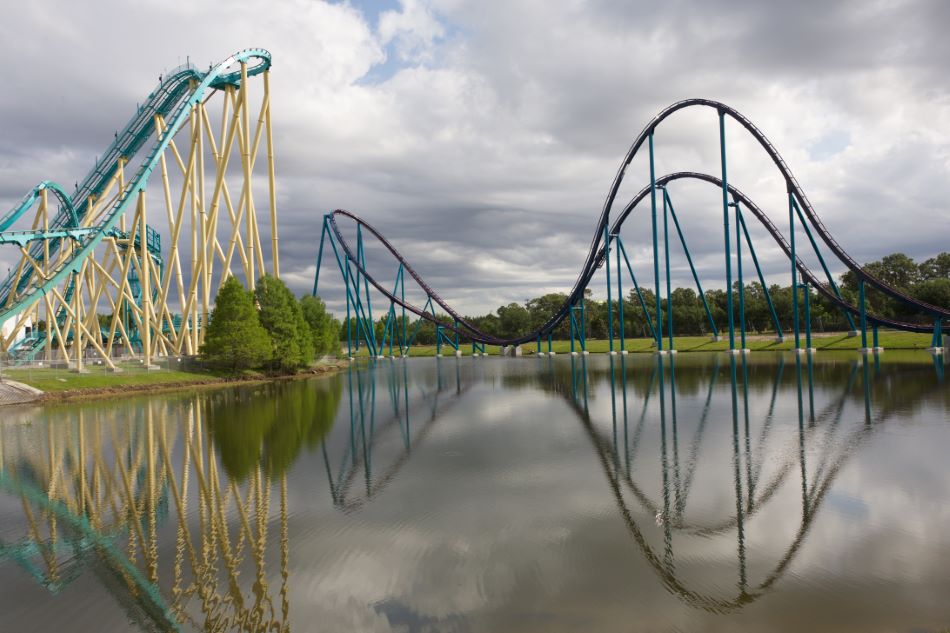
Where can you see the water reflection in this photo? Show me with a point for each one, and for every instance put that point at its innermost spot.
(111, 492)
(824, 443)
(405, 409)
(717, 469)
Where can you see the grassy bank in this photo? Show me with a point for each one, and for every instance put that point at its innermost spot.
(829, 341)
(65, 384)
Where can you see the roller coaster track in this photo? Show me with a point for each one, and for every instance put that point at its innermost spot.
(61, 248)
(597, 253)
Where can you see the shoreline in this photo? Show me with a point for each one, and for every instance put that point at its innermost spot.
(96, 393)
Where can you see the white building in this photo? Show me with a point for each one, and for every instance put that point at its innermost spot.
(7, 328)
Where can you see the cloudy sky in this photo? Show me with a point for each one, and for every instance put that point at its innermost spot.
(482, 137)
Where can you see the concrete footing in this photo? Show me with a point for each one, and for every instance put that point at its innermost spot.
(573, 353)
(613, 352)
(552, 353)
(624, 352)
(745, 350)
(438, 355)
(935, 350)
(852, 333)
(812, 350)
(716, 338)
(878, 350)
(735, 352)
(458, 352)
(865, 350)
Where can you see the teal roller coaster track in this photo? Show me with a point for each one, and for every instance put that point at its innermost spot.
(351, 263)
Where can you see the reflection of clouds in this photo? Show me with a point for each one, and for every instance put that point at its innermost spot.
(517, 529)
(502, 518)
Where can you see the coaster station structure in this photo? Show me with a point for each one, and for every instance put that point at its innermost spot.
(361, 283)
(92, 266)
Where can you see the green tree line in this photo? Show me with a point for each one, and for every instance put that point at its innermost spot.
(928, 281)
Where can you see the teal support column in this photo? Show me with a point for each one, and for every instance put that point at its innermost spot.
(583, 338)
(725, 223)
(636, 287)
(349, 324)
(550, 351)
(689, 259)
(658, 331)
(821, 260)
(403, 347)
(316, 277)
(739, 275)
(669, 292)
(874, 337)
(864, 315)
(352, 299)
(758, 270)
(807, 290)
(418, 326)
(538, 352)
(619, 299)
(610, 309)
(937, 340)
(438, 340)
(573, 327)
(371, 326)
(794, 259)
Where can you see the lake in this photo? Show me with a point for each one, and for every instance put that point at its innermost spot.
(700, 492)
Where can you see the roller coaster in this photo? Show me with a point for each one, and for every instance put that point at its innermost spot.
(358, 279)
(98, 249)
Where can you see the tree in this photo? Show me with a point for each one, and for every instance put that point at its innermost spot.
(934, 291)
(514, 320)
(282, 317)
(324, 329)
(235, 339)
(936, 267)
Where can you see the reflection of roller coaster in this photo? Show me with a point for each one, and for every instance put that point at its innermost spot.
(763, 460)
(99, 250)
(96, 495)
(825, 432)
(367, 430)
(358, 279)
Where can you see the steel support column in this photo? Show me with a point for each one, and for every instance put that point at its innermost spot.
(794, 260)
(658, 331)
(725, 223)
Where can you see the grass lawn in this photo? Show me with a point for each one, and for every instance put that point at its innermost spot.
(133, 375)
(57, 380)
(830, 341)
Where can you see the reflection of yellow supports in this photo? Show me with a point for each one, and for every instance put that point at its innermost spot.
(115, 470)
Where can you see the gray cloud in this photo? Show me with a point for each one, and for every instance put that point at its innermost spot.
(482, 138)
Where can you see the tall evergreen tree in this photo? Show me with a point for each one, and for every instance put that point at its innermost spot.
(235, 339)
(281, 316)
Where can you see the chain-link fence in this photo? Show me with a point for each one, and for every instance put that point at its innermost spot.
(57, 368)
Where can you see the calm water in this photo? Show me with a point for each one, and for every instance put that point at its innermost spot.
(503, 495)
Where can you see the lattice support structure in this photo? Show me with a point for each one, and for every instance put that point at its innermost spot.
(133, 267)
